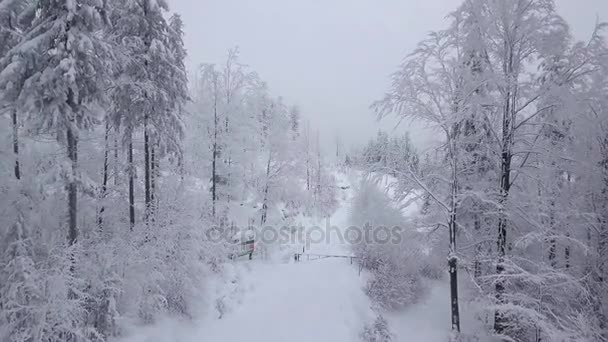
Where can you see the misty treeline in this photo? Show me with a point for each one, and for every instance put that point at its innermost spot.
(259, 146)
(519, 186)
(388, 154)
(112, 171)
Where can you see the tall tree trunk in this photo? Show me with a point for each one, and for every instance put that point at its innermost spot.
(602, 272)
(104, 185)
(16, 144)
(214, 179)
(131, 181)
(72, 142)
(308, 176)
(116, 148)
(153, 173)
(307, 172)
(146, 170)
(265, 202)
(452, 257)
(599, 204)
(567, 252)
(552, 241)
(500, 322)
(228, 160)
(478, 248)
(214, 160)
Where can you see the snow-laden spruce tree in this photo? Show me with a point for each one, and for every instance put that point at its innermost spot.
(54, 75)
(149, 93)
(150, 89)
(65, 88)
(61, 63)
(15, 15)
(384, 156)
(21, 294)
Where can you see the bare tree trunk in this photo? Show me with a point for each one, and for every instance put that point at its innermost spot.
(146, 170)
(602, 273)
(153, 173)
(72, 143)
(452, 227)
(552, 241)
(567, 252)
(600, 208)
(215, 156)
(116, 148)
(478, 249)
(104, 185)
(16, 145)
(505, 185)
(265, 202)
(307, 173)
(131, 181)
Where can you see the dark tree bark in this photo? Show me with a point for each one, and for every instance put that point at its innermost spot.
(602, 271)
(146, 170)
(16, 145)
(452, 227)
(552, 241)
(453, 270)
(307, 174)
(153, 174)
(104, 185)
(478, 249)
(265, 202)
(131, 181)
(215, 156)
(500, 322)
(116, 148)
(567, 252)
(72, 142)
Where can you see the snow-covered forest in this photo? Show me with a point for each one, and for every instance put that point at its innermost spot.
(144, 200)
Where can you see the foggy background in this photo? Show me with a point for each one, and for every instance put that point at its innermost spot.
(332, 58)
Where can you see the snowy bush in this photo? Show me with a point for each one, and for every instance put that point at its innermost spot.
(399, 265)
(377, 331)
(22, 293)
(391, 287)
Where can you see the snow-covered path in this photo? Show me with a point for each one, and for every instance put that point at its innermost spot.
(308, 301)
(317, 300)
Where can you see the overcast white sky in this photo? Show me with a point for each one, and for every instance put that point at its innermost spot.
(331, 57)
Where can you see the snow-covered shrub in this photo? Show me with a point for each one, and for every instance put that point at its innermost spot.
(390, 287)
(21, 294)
(377, 331)
(398, 263)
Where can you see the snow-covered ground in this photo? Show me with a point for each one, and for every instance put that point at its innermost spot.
(427, 321)
(316, 300)
(309, 301)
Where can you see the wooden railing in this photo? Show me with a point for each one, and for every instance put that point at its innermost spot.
(312, 256)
